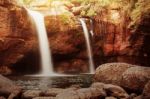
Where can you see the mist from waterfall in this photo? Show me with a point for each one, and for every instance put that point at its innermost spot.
(45, 53)
(89, 51)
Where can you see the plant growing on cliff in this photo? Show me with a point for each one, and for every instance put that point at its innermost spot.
(66, 18)
(94, 7)
(139, 13)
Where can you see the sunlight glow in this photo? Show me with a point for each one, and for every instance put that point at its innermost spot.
(115, 16)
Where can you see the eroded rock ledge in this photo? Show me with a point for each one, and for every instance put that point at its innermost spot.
(17, 36)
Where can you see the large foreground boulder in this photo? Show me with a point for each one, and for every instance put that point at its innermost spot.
(8, 89)
(135, 78)
(111, 72)
(128, 76)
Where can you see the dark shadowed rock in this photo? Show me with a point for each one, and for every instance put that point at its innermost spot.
(111, 72)
(8, 88)
(72, 66)
(138, 97)
(1, 97)
(5, 70)
(132, 95)
(115, 91)
(146, 91)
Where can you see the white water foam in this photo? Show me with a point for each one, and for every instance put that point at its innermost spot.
(45, 53)
(86, 34)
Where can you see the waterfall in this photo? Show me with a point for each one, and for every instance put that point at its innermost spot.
(87, 37)
(92, 27)
(45, 53)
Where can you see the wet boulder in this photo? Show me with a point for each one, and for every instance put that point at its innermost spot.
(138, 97)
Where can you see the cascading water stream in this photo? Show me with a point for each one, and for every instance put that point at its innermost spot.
(92, 27)
(45, 53)
(86, 34)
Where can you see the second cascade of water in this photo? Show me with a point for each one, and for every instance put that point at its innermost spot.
(45, 53)
(89, 51)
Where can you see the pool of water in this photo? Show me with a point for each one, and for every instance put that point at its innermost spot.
(45, 82)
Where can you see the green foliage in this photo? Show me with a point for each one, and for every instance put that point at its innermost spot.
(77, 1)
(141, 11)
(66, 19)
(26, 2)
(93, 7)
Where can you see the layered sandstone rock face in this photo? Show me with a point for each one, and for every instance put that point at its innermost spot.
(67, 43)
(120, 30)
(16, 33)
(114, 39)
(120, 34)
